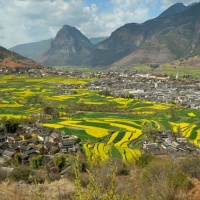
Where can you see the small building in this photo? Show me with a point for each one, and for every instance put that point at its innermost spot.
(181, 139)
(54, 137)
(8, 154)
(70, 145)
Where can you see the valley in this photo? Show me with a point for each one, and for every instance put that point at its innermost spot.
(108, 126)
(115, 116)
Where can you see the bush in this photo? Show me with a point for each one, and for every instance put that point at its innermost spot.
(18, 158)
(53, 177)
(162, 179)
(11, 125)
(27, 175)
(21, 174)
(102, 182)
(61, 161)
(123, 172)
(144, 160)
(36, 162)
(3, 175)
(191, 167)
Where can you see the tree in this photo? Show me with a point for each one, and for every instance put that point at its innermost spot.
(34, 99)
(191, 166)
(21, 173)
(144, 160)
(51, 111)
(61, 161)
(11, 125)
(18, 158)
(163, 179)
(35, 162)
(154, 66)
(48, 110)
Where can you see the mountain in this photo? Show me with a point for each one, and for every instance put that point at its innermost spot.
(32, 50)
(173, 35)
(174, 9)
(159, 40)
(70, 47)
(97, 40)
(12, 59)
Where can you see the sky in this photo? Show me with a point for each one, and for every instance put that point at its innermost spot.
(24, 21)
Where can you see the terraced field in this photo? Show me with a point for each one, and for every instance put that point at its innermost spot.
(115, 133)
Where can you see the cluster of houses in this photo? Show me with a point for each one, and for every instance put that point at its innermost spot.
(128, 84)
(35, 140)
(150, 88)
(185, 92)
(166, 143)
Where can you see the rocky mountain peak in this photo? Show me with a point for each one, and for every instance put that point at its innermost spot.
(174, 9)
(70, 47)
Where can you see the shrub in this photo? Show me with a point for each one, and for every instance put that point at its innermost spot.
(18, 158)
(61, 161)
(36, 162)
(3, 175)
(53, 177)
(124, 172)
(21, 174)
(11, 125)
(162, 179)
(191, 167)
(144, 160)
(102, 182)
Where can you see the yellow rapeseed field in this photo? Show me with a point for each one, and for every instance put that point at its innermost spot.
(53, 125)
(11, 116)
(113, 136)
(129, 155)
(125, 139)
(127, 128)
(186, 128)
(90, 130)
(191, 114)
(128, 137)
(99, 150)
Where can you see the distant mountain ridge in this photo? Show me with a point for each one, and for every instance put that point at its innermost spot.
(160, 40)
(70, 47)
(32, 50)
(173, 35)
(97, 40)
(174, 9)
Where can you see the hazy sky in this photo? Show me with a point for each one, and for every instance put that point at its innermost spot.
(23, 21)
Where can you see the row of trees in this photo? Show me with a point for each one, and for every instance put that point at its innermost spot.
(36, 162)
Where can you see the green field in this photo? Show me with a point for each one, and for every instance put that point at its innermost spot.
(171, 70)
(107, 126)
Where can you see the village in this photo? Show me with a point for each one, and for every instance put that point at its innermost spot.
(33, 139)
(184, 91)
(167, 143)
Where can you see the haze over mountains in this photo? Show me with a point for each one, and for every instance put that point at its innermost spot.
(32, 50)
(172, 35)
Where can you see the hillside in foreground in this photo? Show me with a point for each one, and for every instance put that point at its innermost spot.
(11, 59)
